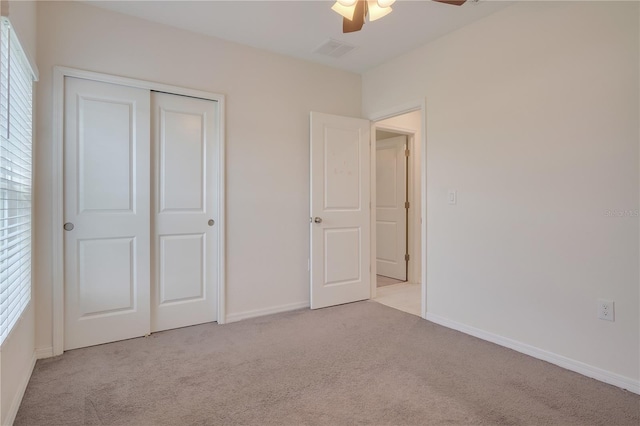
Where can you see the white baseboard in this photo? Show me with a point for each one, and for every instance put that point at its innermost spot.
(17, 400)
(42, 353)
(268, 311)
(559, 360)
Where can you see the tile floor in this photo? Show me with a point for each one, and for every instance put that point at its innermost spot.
(402, 296)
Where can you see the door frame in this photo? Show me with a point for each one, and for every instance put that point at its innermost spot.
(57, 185)
(417, 105)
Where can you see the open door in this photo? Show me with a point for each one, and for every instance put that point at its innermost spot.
(391, 208)
(340, 210)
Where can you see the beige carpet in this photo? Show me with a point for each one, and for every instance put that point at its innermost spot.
(362, 363)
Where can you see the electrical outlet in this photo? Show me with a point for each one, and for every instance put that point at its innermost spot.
(452, 196)
(605, 310)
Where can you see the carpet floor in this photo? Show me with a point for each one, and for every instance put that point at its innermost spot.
(361, 363)
(382, 281)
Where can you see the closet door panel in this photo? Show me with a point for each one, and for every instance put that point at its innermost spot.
(106, 210)
(185, 201)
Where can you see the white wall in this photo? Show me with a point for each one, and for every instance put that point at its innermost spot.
(268, 102)
(533, 117)
(17, 360)
(17, 351)
(412, 121)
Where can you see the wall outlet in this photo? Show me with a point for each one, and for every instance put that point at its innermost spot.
(605, 310)
(452, 196)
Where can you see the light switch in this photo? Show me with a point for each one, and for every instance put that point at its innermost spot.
(453, 196)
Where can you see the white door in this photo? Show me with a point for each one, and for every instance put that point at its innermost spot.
(340, 210)
(106, 210)
(184, 235)
(391, 213)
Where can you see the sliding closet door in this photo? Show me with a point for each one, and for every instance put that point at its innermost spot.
(184, 222)
(106, 209)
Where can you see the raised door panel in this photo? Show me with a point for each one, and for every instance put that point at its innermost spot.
(341, 169)
(387, 242)
(182, 268)
(106, 287)
(342, 256)
(386, 178)
(182, 156)
(105, 155)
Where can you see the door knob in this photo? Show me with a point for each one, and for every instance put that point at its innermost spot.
(68, 226)
(317, 219)
(211, 222)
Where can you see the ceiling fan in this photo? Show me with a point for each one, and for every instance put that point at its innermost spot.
(354, 12)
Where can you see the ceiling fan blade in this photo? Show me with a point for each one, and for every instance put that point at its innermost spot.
(358, 18)
(453, 2)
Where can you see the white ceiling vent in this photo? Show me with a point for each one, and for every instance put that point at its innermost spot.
(334, 48)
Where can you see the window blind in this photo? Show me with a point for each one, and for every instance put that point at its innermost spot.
(16, 80)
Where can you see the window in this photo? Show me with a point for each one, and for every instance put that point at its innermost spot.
(16, 80)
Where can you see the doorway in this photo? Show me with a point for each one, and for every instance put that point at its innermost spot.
(398, 239)
(342, 217)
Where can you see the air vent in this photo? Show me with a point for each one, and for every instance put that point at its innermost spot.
(334, 48)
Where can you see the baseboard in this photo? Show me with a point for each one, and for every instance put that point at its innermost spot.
(42, 353)
(17, 400)
(268, 311)
(559, 360)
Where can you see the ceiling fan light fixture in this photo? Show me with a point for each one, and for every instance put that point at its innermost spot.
(385, 3)
(347, 3)
(346, 11)
(375, 11)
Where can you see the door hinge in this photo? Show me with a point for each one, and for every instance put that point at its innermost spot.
(406, 257)
(406, 204)
(406, 152)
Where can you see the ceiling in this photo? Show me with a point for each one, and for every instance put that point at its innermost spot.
(297, 28)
